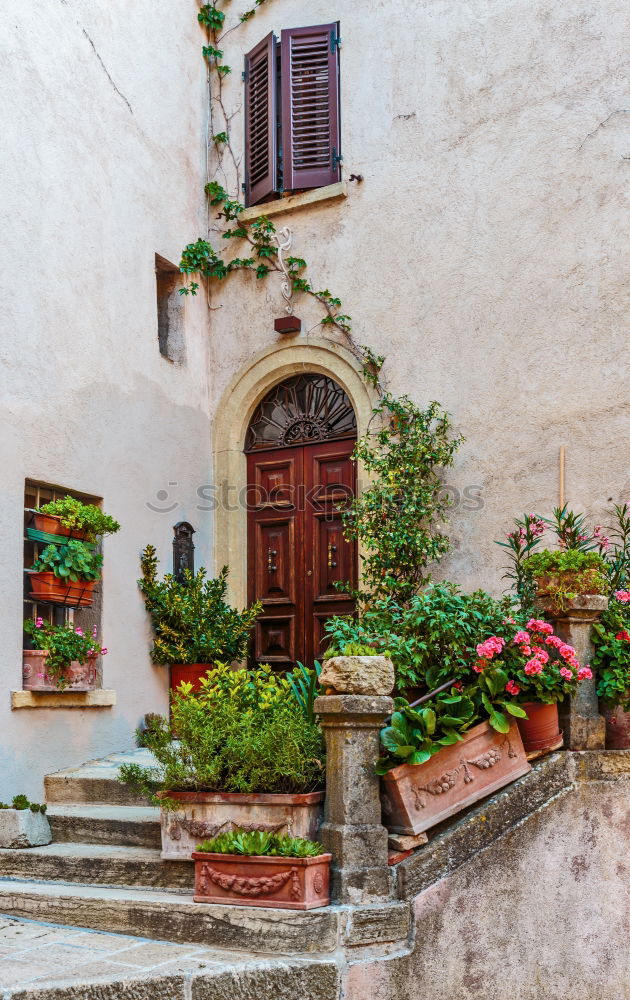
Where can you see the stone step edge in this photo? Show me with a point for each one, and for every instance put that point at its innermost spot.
(172, 917)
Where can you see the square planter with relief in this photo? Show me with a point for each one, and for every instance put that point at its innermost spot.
(281, 883)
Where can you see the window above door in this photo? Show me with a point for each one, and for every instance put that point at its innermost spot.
(292, 112)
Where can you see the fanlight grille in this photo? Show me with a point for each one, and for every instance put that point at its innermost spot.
(302, 410)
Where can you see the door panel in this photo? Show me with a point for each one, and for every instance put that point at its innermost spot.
(296, 548)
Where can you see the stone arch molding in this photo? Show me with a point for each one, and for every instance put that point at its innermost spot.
(233, 414)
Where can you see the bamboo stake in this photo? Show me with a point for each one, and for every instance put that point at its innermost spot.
(562, 464)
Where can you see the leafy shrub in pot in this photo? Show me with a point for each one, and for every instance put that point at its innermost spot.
(66, 649)
(71, 517)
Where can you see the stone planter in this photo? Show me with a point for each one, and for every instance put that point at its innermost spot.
(617, 728)
(77, 676)
(21, 828)
(282, 883)
(47, 587)
(416, 797)
(541, 729)
(202, 815)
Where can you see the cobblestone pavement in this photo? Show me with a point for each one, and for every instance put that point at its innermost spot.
(35, 955)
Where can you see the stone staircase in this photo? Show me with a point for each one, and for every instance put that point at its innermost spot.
(103, 871)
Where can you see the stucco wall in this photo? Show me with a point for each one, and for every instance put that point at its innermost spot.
(103, 166)
(542, 914)
(485, 252)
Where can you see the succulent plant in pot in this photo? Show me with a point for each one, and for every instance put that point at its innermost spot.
(259, 868)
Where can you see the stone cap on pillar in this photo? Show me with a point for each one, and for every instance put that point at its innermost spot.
(363, 710)
(583, 608)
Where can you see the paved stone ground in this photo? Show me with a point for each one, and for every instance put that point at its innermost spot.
(35, 955)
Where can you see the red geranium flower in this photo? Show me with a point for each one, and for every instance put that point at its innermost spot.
(623, 635)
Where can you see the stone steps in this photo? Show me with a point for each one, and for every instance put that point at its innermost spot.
(97, 864)
(85, 823)
(174, 916)
(97, 781)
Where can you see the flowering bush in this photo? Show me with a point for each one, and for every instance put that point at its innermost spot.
(612, 652)
(531, 663)
(64, 644)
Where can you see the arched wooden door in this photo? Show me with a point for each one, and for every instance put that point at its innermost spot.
(300, 475)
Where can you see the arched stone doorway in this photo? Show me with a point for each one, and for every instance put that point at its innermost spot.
(300, 476)
(233, 416)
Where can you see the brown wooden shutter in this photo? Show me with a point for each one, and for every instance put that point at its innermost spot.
(310, 106)
(261, 156)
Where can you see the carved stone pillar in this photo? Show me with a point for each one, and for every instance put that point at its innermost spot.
(352, 829)
(584, 728)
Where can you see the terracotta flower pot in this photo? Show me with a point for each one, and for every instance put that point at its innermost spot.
(51, 525)
(541, 729)
(283, 883)
(202, 815)
(45, 586)
(35, 677)
(416, 797)
(617, 728)
(191, 673)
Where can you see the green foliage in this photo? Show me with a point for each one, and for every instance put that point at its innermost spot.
(259, 843)
(520, 544)
(211, 17)
(77, 516)
(303, 683)
(72, 561)
(192, 622)
(430, 640)
(220, 137)
(64, 644)
(612, 655)
(414, 735)
(243, 732)
(571, 530)
(350, 648)
(397, 518)
(616, 549)
(21, 803)
(567, 573)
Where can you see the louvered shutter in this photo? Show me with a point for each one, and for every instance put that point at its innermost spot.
(310, 106)
(261, 157)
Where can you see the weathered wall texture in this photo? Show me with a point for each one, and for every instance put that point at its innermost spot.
(485, 252)
(103, 165)
(542, 914)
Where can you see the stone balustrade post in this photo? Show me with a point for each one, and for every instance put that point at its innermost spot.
(583, 727)
(352, 829)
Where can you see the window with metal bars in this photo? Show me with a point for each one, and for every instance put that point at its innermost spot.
(292, 114)
(36, 494)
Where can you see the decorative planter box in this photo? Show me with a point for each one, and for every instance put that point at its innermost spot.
(202, 815)
(21, 828)
(46, 586)
(283, 883)
(416, 797)
(35, 677)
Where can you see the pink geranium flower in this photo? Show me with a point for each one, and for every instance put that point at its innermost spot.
(585, 673)
(512, 687)
(537, 625)
(623, 596)
(566, 673)
(521, 637)
(533, 666)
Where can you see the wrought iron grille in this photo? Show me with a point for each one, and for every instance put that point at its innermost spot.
(302, 410)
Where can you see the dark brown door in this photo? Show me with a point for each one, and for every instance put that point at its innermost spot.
(297, 550)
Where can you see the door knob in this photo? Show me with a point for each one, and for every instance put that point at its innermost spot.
(271, 566)
(331, 551)
(309, 572)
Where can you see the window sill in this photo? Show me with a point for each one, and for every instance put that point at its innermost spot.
(100, 698)
(332, 192)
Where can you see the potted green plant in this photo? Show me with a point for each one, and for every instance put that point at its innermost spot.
(258, 868)
(66, 574)
(245, 751)
(23, 824)
(71, 518)
(612, 663)
(63, 657)
(441, 757)
(193, 625)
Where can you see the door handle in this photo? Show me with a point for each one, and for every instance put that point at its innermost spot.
(331, 551)
(271, 566)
